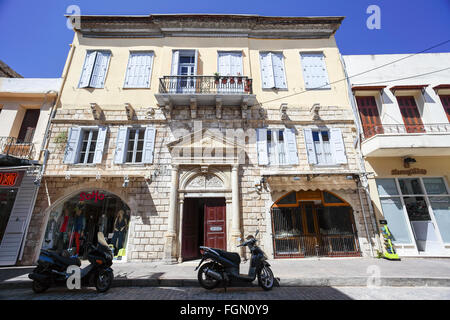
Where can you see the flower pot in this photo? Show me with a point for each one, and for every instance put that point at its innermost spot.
(224, 81)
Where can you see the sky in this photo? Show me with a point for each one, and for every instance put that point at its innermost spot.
(34, 38)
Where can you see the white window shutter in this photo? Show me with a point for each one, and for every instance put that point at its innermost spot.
(314, 71)
(149, 145)
(261, 145)
(86, 73)
(224, 63)
(196, 62)
(290, 144)
(121, 144)
(139, 70)
(278, 70)
(309, 144)
(267, 77)
(338, 146)
(73, 145)
(175, 62)
(100, 145)
(100, 68)
(236, 64)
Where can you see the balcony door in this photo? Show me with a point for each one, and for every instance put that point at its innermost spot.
(28, 126)
(230, 66)
(184, 66)
(370, 118)
(410, 113)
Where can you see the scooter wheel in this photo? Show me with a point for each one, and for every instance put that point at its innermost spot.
(265, 278)
(38, 287)
(103, 280)
(206, 281)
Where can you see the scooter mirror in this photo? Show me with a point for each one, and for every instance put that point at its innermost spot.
(257, 231)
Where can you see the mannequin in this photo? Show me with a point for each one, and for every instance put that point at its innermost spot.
(79, 224)
(64, 225)
(120, 226)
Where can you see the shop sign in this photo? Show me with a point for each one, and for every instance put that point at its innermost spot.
(94, 195)
(8, 179)
(408, 172)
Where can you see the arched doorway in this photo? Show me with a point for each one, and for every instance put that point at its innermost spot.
(80, 217)
(313, 223)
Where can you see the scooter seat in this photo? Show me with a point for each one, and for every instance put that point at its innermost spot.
(67, 260)
(232, 256)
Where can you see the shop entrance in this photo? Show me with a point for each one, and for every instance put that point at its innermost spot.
(79, 219)
(204, 224)
(313, 223)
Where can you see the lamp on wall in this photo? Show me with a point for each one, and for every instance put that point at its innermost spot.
(407, 161)
(126, 181)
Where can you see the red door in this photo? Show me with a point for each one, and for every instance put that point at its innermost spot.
(369, 115)
(215, 222)
(410, 114)
(189, 243)
(446, 104)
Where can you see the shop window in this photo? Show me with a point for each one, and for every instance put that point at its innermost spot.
(441, 210)
(435, 186)
(7, 198)
(331, 198)
(393, 212)
(79, 219)
(410, 186)
(387, 187)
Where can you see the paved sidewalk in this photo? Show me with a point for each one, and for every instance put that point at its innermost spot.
(408, 272)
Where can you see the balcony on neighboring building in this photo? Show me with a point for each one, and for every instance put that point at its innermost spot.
(392, 140)
(196, 91)
(15, 152)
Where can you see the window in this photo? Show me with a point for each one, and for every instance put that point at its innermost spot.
(85, 145)
(325, 146)
(28, 126)
(314, 71)
(445, 99)
(184, 65)
(94, 69)
(272, 70)
(139, 70)
(277, 146)
(135, 145)
(88, 146)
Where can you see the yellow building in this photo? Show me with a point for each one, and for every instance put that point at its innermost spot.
(403, 109)
(202, 129)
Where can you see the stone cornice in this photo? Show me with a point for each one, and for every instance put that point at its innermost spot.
(208, 25)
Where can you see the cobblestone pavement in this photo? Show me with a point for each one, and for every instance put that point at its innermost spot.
(191, 293)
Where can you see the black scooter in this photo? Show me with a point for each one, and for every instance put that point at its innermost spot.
(224, 266)
(52, 268)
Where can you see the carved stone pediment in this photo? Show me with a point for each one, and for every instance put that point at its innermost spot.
(207, 181)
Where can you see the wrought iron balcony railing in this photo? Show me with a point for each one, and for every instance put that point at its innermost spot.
(370, 131)
(205, 85)
(10, 146)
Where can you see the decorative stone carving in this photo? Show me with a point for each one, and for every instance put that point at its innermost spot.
(207, 181)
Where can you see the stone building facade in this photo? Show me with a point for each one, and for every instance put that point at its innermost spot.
(217, 154)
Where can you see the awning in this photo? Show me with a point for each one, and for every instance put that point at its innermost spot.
(442, 89)
(414, 87)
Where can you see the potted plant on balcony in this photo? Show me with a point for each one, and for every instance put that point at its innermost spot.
(224, 80)
(216, 77)
(248, 84)
(239, 78)
(232, 80)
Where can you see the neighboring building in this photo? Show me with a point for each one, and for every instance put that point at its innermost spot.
(7, 72)
(404, 111)
(203, 129)
(25, 106)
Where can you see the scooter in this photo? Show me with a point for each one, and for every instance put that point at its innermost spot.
(223, 266)
(52, 268)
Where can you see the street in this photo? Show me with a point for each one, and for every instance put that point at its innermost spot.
(253, 293)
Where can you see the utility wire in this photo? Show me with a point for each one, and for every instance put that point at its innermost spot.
(358, 74)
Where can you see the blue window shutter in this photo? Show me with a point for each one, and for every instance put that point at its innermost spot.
(267, 77)
(100, 68)
(86, 73)
(149, 145)
(291, 145)
(309, 145)
(121, 144)
(314, 71)
(73, 145)
(139, 70)
(338, 146)
(261, 145)
(278, 70)
(100, 146)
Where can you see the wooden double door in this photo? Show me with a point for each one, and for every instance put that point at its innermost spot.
(204, 224)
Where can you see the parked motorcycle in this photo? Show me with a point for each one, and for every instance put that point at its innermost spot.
(223, 266)
(52, 268)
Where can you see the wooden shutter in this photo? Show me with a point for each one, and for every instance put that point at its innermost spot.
(290, 143)
(338, 147)
(370, 118)
(149, 145)
(267, 76)
(410, 113)
(314, 71)
(261, 145)
(309, 145)
(73, 145)
(446, 104)
(278, 70)
(87, 69)
(139, 70)
(100, 145)
(121, 144)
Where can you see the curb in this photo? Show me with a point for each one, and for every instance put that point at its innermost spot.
(293, 282)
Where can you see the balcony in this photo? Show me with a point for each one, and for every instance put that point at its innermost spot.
(11, 148)
(398, 140)
(196, 91)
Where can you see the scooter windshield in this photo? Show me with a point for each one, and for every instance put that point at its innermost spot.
(101, 239)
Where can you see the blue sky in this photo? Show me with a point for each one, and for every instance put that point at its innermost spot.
(34, 39)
